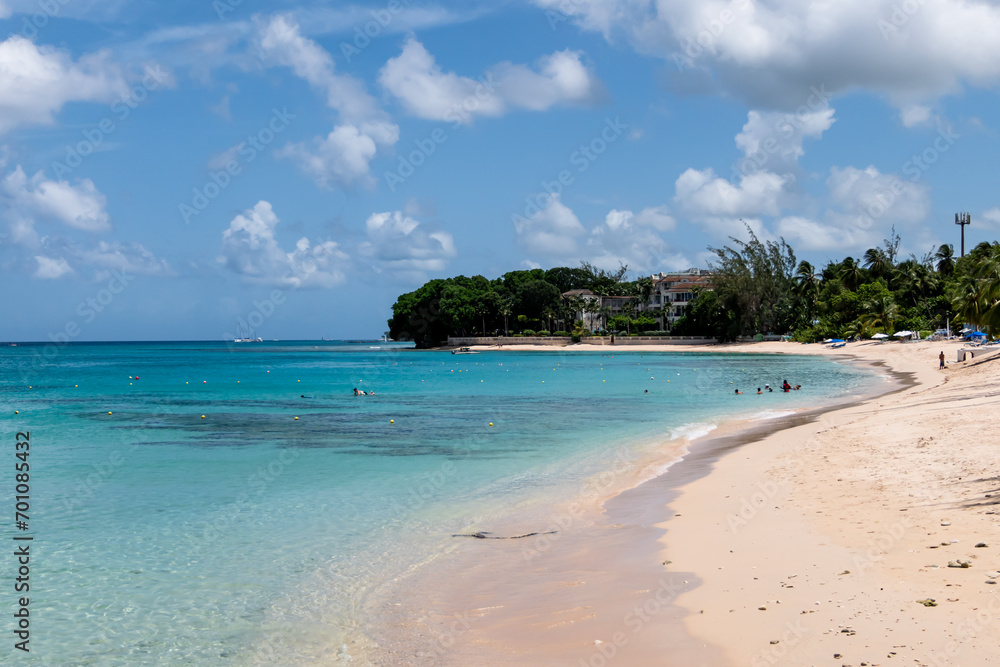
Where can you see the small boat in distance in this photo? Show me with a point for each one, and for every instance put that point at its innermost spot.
(464, 350)
(244, 334)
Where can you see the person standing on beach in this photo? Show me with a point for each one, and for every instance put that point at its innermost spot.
(941, 359)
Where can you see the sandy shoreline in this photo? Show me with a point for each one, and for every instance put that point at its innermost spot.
(827, 525)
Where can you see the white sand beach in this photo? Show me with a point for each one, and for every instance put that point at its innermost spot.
(811, 545)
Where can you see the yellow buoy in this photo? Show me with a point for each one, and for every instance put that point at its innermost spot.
(76, 385)
(109, 412)
(203, 416)
(296, 419)
(491, 423)
(392, 421)
(16, 412)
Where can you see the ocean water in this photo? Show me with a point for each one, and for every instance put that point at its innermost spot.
(200, 522)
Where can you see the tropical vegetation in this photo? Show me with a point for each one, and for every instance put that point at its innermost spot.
(759, 288)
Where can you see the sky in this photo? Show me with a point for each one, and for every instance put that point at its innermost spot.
(168, 170)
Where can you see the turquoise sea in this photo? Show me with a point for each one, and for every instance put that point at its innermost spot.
(181, 514)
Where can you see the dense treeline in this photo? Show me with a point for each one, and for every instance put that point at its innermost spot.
(525, 302)
(759, 288)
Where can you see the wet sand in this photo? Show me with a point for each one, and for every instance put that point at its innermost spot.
(675, 570)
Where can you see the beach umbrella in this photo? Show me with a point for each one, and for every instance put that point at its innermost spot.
(880, 336)
(836, 340)
(901, 334)
(977, 334)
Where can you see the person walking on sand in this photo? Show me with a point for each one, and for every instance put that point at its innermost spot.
(941, 359)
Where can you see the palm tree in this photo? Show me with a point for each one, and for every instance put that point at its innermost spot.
(548, 313)
(506, 307)
(882, 313)
(987, 290)
(850, 274)
(592, 307)
(877, 262)
(604, 311)
(945, 257)
(858, 329)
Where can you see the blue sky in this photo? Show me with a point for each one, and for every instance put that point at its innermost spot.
(168, 169)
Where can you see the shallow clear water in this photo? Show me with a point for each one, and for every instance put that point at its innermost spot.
(164, 537)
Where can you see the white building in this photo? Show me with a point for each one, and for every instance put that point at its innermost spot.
(667, 302)
(673, 291)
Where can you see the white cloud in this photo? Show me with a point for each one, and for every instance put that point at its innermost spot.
(915, 115)
(220, 160)
(341, 158)
(344, 156)
(279, 42)
(623, 237)
(772, 141)
(552, 231)
(634, 239)
(806, 234)
(397, 243)
(769, 52)
(722, 227)
(5, 11)
(36, 82)
(79, 206)
(126, 257)
(701, 193)
(51, 268)
(885, 197)
(992, 216)
(427, 92)
(249, 248)
(862, 206)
